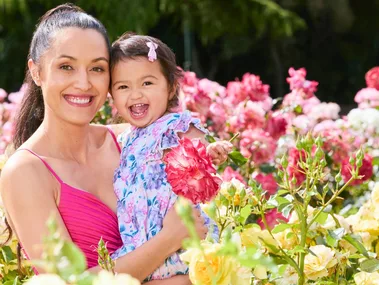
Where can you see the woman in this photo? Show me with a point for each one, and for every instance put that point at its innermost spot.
(64, 166)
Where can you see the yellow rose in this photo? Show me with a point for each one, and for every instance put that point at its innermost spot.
(284, 241)
(317, 266)
(289, 277)
(375, 194)
(237, 187)
(45, 279)
(241, 276)
(107, 278)
(365, 278)
(253, 236)
(205, 266)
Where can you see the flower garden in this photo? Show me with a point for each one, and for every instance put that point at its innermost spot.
(299, 206)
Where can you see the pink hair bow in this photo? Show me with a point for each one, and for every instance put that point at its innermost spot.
(152, 55)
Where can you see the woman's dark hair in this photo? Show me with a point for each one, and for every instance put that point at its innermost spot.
(32, 109)
(130, 46)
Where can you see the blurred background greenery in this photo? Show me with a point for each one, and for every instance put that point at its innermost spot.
(337, 41)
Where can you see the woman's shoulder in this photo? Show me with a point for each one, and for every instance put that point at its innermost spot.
(24, 170)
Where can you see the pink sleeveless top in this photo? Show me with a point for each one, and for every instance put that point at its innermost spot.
(87, 219)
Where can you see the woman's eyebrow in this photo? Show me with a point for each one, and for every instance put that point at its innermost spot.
(73, 58)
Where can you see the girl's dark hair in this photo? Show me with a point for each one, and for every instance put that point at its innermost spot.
(32, 109)
(130, 46)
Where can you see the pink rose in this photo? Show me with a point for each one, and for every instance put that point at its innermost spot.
(267, 182)
(293, 168)
(276, 125)
(372, 78)
(258, 145)
(366, 170)
(254, 88)
(299, 84)
(272, 218)
(234, 92)
(367, 98)
(190, 171)
(3, 95)
(229, 174)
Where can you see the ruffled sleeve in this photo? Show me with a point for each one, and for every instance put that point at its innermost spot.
(168, 127)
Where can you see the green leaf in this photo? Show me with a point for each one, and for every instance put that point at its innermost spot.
(370, 265)
(245, 212)
(237, 158)
(280, 228)
(322, 217)
(73, 261)
(375, 160)
(357, 244)
(286, 211)
(210, 139)
(337, 233)
(267, 168)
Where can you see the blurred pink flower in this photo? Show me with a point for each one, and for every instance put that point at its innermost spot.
(272, 218)
(249, 115)
(258, 145)
(293, 168)
(16, 97)
(324, 111)
(372, 78)
(229, 173)
(3, 95)
(367, 98)
(366, 170)
(211, 88)
(218, 115)
(234, 92)
(299, 84)
(276, 124)
(267, 181)
(254, 88)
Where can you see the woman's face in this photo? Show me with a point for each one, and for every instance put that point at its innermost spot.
(74, 75)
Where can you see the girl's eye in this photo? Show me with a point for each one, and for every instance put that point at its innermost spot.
(66, 67)
(98, 69)
(122, 87)
(147, 83)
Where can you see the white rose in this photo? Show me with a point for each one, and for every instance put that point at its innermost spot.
(106, 278)
(45, 279)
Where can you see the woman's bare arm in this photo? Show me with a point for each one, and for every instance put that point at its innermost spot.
(27, 191)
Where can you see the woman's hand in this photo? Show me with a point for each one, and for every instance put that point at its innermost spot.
(174, 227)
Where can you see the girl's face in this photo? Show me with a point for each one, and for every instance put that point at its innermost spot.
(74, 75)
(140, 91)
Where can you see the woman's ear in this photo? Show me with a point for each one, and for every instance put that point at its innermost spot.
(34, 71)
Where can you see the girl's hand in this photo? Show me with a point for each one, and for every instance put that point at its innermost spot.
(219, 151)
(177, 231)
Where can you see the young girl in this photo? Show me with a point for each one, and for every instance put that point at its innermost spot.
(145, 88)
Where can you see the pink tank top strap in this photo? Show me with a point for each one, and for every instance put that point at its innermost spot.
(114, 138)
(44, 162)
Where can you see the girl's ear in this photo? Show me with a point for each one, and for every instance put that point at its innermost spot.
(34, 71)
(175, 87)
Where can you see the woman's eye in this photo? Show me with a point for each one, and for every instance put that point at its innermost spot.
(147, 83)
(98, 69)
(66, 67)
(122, 87)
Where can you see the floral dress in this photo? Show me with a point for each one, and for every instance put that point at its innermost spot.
(143, 192)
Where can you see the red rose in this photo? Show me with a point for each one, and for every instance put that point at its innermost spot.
(190, 171)
(272, 218)
(366, 170)
(372, 78)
